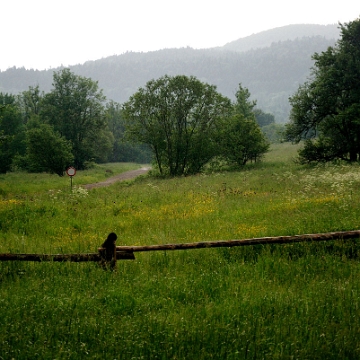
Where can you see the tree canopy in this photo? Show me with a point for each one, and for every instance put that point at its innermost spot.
(184, 122)
(187, 123)
(176, 116)
(240, 138)
(271, 69)
(47, 150)
(326, 109)
(75, 107)
(10, 130)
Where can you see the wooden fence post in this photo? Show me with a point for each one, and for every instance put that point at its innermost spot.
(107, 252)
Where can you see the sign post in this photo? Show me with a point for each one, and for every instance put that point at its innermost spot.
(71, 171)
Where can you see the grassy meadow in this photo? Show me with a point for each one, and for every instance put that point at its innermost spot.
(299, 301)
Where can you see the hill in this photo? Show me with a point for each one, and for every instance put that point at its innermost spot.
(284, 33)
(272, 66)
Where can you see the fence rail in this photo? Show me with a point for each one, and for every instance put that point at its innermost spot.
(109, 253)
(94, 257)
(344, 235)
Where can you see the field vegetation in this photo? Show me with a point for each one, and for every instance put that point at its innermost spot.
(299, 301)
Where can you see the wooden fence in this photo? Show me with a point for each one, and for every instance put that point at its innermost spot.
(343, 235)
(109, 253)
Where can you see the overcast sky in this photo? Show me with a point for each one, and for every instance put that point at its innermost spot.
(44, 34)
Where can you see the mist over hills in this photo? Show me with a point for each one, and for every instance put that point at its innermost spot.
(271, 64)
(283, 33)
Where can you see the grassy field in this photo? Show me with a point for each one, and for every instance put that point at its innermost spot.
(298, 301)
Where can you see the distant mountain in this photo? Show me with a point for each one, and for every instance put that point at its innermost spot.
(289, 32)
(271, 72)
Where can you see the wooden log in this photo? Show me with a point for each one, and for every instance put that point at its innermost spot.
(48, 257)
(114, 252)
(344, 235)
(120, 255)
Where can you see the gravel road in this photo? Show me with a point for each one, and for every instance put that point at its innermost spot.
(123, 176)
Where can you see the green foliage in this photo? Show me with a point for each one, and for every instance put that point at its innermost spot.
(329, 104)
(264, 119)
(123, 150)
(243, 105)
(75, 108)
(47, 150)
(239, 137)
(186, 123)
(241, 140)
(321, 150)
(272, 68)
(76, 113)
(30, 102)
(176, 116)
(99, 146)
(11, 131)
(274, 133)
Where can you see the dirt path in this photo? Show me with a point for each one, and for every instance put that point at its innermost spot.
(123, 176)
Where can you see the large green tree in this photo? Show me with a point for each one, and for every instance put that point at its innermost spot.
(47, 150)
(241, 140)
(75, 108)
(11, 131)
(239, 137)
(326, 109)
(30, 102)
(177, 117)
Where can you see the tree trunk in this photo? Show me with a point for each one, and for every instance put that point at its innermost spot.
(353, 155)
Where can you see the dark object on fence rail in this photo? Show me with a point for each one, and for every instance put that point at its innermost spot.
(106, 256)
(108, 252)
(343, 235)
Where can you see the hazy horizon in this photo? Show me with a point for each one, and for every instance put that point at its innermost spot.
(43, 35)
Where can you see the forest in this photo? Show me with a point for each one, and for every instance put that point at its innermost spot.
(271, 65)
(59, 113)
(181, 120)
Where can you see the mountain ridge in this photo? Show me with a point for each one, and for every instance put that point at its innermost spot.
(271, 73)
(282, 33)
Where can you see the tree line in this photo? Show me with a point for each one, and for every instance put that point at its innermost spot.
(326, 109)
(179, 122)
(73, 124)
(272, 73)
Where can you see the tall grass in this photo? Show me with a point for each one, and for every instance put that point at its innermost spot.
(296, 301)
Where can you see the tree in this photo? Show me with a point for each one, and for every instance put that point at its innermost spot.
(30, 103)
(326, 109)
(241, 140)
(239, 137)
(47, 150)
(177, 117)
(123, 150)
(274, 133)
(100, 145)
(11, 131)
(264, 119)
(75, 108)
(243, 105)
